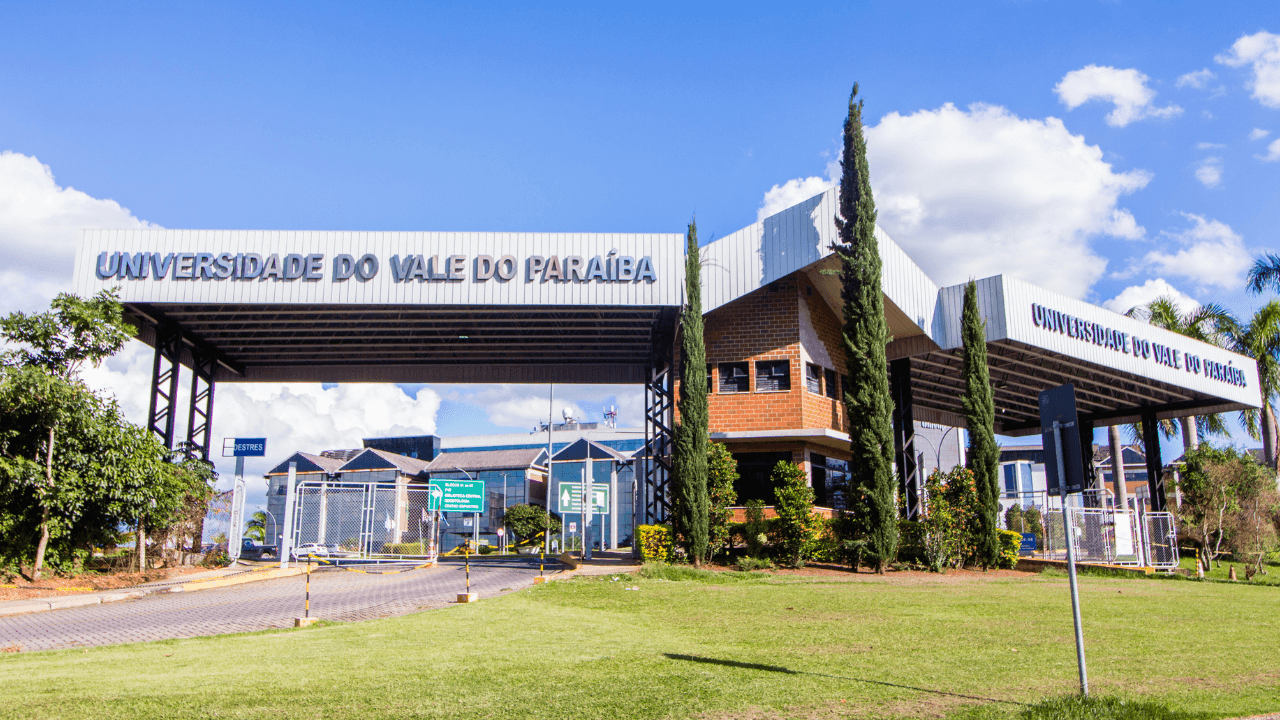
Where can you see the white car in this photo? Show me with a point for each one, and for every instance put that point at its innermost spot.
(315, 549)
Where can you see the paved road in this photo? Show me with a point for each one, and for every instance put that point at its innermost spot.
(335, 595)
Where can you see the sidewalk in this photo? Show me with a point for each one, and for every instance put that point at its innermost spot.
(235, 574)
(602, 562)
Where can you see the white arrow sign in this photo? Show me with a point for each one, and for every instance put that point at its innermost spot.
(571, 498)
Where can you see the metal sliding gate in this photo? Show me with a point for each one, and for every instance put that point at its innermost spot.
(366, 521)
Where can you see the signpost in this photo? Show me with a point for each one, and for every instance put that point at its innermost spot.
(1065, 474)
(450, 495)
(570, 495)
(240, 448)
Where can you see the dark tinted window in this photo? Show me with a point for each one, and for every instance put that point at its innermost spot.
(813, 378)
(773, 375)
(833, 385)
(733, 378)
(754, 473)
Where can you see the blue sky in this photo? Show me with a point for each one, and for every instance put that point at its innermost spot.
(412, 116)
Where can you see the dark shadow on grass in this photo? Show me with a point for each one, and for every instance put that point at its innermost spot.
(789, 671)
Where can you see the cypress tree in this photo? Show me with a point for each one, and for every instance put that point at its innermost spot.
(867, 399)
(979, 411)
(692, 501)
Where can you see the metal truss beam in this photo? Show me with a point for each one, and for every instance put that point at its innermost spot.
(204, 367)
(904, 436)
(165, 369)
(659, 425)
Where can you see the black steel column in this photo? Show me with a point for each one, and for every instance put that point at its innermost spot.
(164, 384)
(659, 424)
(904, 436)
(1151, 445)
(1085, 428)
(200, 416)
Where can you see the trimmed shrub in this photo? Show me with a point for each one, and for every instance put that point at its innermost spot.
(1010, 543)
(911, 543)
(755, 528)
(796, 525)
(1013, 518)
(1033, 522)
(749, 564)
(528, 521)
(656, 542)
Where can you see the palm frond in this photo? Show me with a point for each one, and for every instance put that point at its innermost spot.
(1264, 273)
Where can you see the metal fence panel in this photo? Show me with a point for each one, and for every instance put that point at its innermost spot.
(366, 521)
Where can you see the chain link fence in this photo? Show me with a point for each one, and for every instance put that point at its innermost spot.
(365, 521)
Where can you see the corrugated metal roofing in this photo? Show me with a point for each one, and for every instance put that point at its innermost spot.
(519, 458)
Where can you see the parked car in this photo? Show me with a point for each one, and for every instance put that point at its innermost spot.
(249, 551)
(315, 549)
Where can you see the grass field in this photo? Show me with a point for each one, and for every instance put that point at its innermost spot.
(1220, 570)
(912, 645)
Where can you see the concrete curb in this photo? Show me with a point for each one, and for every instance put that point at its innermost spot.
(25, 607)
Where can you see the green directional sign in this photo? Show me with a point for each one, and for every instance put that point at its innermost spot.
(571, 498)
(452, 495)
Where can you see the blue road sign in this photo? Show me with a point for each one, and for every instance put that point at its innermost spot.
(250, 447)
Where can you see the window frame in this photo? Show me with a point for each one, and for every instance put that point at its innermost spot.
(732, 377)
(783, 379)
(809, 377)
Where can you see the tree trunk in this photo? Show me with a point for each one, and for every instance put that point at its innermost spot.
(44, 514)
(1190, 433)
(1268, 435)
(142, 546)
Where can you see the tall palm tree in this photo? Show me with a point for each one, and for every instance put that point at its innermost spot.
(1260, 340)
(1211, 324)
(255, 528)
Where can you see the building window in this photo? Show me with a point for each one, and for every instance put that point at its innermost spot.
(773, 376)
(830, 481)
(733, 378)
(833, 385)
(813, 378)
(710, 386)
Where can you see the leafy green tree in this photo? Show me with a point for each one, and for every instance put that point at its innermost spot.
(722, 474)
(528, 521)
(1218, 485)
(689, 461)
(945, 518)
(868, 403)
(979, 411)
(796, 524)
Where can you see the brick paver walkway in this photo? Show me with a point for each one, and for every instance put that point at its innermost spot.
(335, 595)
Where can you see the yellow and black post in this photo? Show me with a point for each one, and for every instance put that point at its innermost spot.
(468, 596)
(306, 611)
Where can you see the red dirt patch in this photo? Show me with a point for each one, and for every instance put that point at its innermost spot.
(20, 589)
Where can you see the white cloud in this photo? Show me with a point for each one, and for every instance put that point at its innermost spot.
(292, 416)
(1209, 146)
(1261, 50)
(1273, 152)
(39, 225)
(1209, 172)
(1211, 254)
(1198, 79)
(1258, 134)
(525, 406)
(781, 197)
(981, 192)
(1127, 89)
(1137, 295)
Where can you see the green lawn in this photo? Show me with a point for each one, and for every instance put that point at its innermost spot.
(912, 646)
(1219, 572)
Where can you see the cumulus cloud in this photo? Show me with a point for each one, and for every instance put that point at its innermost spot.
(1261, 51)
(781, 197)
(1138, 295)
(292, 416)
(525, 406)
(1127, 89)
(1209, 172)
(978, 192)
(39, 225)
(1198, 79)
(1273, 152)
(1210, 254)
(1258, 133)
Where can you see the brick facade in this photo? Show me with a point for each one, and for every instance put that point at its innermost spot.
(787, 320)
